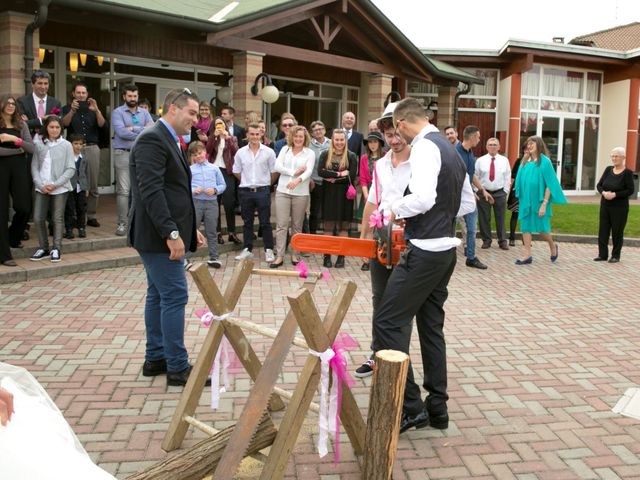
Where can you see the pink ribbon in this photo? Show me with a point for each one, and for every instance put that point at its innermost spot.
(338, 364)
(225, 357)
(302, 268)
(375, 219)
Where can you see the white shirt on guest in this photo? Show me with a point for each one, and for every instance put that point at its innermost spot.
(255, 170)
(502, 179)
(286, 165)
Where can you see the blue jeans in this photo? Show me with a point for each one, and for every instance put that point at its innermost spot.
(167, 295)
(470, 219)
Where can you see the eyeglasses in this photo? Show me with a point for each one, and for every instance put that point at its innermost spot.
(11, 103)
(286, 125)
(396, 123)
(317, 129)
(492, 145)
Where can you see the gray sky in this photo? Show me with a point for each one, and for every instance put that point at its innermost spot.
(489, 24)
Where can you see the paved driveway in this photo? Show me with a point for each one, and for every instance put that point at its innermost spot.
(538, 356)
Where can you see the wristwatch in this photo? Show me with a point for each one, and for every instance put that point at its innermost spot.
(174, 235)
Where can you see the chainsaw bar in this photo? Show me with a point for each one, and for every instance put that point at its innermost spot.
(349, 247)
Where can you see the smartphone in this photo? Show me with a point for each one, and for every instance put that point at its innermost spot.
(83, 106)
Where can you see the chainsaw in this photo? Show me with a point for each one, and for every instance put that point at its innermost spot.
(387, 247)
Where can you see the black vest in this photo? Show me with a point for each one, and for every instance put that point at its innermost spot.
(440, 220)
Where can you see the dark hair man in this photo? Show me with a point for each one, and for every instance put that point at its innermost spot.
(83, 116)
(127, 122)
(39, 104)
(228, 114)
(162, 225)
(436, 193)
(470, 139)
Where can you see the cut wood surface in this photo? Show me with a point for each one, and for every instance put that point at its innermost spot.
(385, 410)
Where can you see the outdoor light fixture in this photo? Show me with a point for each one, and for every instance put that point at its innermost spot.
(224, 94)
(41, 52)
(270, 93)
(99, 59)
(83, 59)
(392, 97)
(73, 62)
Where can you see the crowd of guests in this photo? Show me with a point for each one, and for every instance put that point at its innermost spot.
(236, 170)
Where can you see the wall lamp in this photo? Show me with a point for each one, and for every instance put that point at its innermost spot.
(270, 93)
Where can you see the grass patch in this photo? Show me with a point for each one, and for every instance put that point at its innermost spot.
(583, 219)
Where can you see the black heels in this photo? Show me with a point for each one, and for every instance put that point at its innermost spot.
(327, 261)
(340, 261)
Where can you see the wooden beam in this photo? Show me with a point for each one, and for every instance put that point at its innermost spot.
(284, 51)
(281, 22)
(541, 55)
(263, 23)
(521, 64)
(629, 72)
(325, 34)
(366, 43)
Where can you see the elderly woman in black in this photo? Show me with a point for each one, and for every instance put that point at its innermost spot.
(337, 166)
(615, 186)
(15, 177)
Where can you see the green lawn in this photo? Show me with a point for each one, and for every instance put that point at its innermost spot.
(582, 219)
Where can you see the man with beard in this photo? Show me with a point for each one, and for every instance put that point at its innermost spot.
(127, 122)
(438, 191)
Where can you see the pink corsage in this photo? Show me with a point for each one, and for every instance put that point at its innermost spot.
(55, 111)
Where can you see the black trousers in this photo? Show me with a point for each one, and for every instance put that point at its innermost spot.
(15, 184)
(379, 278)
(249, 203)
(613, 219)
(315, 208)
(418, 287)
(75, 212)
(228, 201)
(499, 208)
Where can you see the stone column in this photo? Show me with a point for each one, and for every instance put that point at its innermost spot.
(246, 66)
(379, 88)
(446, 106)
(12, 27)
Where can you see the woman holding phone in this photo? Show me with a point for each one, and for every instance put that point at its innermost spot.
(221, 148)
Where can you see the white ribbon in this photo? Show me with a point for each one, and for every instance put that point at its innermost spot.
(327, 410)
(223, 353)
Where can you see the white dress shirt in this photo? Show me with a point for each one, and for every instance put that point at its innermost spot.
(502, 179)
(425, 163)
(391, 182)
(286, 165)
(255, 170)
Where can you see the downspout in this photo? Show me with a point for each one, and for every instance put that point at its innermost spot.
(39, 20)
(464, 91)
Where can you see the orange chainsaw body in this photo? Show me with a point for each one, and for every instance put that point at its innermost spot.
(351, 247)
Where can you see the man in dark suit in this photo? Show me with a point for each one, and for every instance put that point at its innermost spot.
(38, 104)
(354, 138)
(161, 226)
(228, 113)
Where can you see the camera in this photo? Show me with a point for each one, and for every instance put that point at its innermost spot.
(83, 106)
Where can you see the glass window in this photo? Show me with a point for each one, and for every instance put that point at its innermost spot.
(572, 107)
(331, 91)
(593, 86)
(47, 58)
(352, 95)
(531, 82)
(589, 153)
(484, 103)
(421, 88)
(79, 63)
(490, 77)
(529, 104)
(557, 82)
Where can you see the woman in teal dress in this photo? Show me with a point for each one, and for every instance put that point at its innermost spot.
(537, 187)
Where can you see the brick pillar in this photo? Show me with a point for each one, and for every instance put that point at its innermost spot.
(379, 88)
(446, 106)
(12, 27)
(513, 145)
(246, 67)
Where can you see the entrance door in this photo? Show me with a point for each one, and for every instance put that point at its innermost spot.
(562, 134)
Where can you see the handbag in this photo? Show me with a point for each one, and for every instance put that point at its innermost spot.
(351, 191)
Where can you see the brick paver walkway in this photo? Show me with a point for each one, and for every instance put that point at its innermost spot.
(538, 356)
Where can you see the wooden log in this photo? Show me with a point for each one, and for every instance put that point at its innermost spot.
(385, 410)
(197, 462)
(285, 273)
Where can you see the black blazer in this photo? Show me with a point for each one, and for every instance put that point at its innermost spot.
(161, 193)
(356, 144)
(240, 134)
(28, 107)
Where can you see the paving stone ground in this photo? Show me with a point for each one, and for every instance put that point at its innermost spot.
(537, 355)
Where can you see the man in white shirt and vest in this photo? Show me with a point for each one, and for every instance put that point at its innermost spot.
(494, 172)
(438, 191)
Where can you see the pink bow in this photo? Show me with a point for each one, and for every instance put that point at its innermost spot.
(344, 342)
(375, 219)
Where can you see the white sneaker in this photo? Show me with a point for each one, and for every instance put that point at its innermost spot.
(214, 262)
(246, 253)
(269, 256)
(121, 230)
